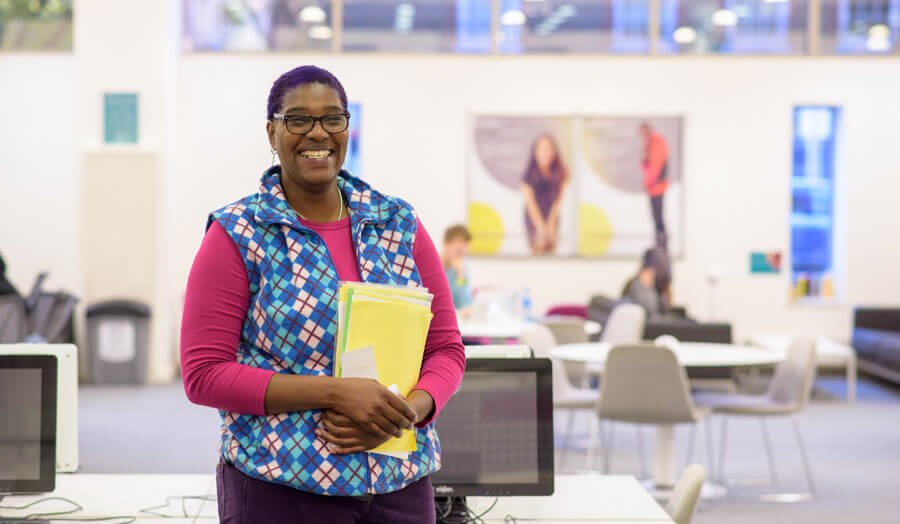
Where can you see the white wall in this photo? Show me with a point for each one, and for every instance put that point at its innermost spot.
(208, 132)
(737, 159)
(40, 195)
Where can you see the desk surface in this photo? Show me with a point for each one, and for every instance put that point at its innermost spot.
(690, 354)
(577, 498)
(580, 498)
(106, 495)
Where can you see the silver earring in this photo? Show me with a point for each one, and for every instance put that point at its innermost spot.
(273, 156)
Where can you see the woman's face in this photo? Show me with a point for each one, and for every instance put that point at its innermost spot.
(300, 155)
(544, 153)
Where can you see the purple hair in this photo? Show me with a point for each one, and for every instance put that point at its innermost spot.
(308, 74)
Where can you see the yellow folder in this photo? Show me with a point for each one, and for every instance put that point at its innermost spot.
(394, 322)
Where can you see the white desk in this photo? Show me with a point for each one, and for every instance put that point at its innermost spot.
(580, 498)
(829, 354)
(125, 495)
(584, 498)
(690, 354)
(509, 329)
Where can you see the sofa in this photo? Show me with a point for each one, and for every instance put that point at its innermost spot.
(876, 338)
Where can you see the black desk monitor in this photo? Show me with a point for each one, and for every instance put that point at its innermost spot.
(496, 432)
(27, 424)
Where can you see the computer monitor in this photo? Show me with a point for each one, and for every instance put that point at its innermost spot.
(496, 432)
(66, 397)
(27, 423)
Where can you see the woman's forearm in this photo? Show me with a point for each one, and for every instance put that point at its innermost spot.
(288, 393)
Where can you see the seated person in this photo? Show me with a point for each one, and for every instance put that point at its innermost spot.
(641, 289)
(453, 256)
(6, 287)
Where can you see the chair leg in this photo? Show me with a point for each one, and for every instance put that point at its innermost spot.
(770, 458)
(803, 457)
(607, 449)
(851, 380)
(707, 425)
(593, 441)
(721, 474)
(570, 422)
(640, 444)
(692, 440)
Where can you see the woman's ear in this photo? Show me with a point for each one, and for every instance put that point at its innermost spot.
(270, 130)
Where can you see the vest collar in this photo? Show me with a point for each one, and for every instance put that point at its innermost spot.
(363, 202)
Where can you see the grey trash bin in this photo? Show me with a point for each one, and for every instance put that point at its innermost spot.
(118, 340)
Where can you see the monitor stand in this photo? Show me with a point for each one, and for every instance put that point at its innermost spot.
(459, 511)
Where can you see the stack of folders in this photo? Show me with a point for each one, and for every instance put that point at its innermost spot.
(381, 335)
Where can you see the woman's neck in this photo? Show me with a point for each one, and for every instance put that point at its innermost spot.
(319, 204)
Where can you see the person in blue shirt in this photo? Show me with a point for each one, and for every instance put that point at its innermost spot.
(453, 256)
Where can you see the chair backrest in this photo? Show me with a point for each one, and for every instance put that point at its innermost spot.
(683, 502)
(12, 319)
(568, 310)
(599, 308)
(562, 384)
(793, 380)
(567, 331)
(645, 384)
(539, 338)
(625, 324)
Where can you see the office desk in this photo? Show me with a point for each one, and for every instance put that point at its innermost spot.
(577, 498)
(580, 498)
(107, 495)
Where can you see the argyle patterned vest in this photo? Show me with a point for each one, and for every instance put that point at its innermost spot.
(290, 328)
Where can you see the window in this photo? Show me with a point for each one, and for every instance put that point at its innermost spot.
(263, 25)
(860, 26)
(436, 26)
(813, 270)
(733, 26)
(574, 26)
(35, 25)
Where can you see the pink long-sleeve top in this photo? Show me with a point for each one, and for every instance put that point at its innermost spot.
(216, 303)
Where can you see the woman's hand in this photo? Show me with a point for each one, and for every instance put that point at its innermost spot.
(344, 436)
(374, 407)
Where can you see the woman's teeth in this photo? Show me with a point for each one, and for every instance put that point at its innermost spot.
(315, 154)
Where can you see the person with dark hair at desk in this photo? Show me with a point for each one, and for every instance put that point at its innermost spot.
(6, 287)
(259, 329)
(641, 289)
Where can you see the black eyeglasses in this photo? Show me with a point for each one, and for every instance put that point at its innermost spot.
(302, 124)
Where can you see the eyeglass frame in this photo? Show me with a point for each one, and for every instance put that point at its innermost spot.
(315, 120)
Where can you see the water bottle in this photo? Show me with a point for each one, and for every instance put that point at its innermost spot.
(526, 304)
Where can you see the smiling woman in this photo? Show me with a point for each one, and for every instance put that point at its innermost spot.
(259, 326)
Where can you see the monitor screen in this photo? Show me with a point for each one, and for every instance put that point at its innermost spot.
(496, 432)
(27, 423)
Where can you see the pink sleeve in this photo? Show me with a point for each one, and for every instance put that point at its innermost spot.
(445, 359)
(215, 305)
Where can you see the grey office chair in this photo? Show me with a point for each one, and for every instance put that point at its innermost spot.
(788, 393)
(570, 331)
(645, 384)
(13, 321)
(683, 502)
(625, 324)
(565, 395)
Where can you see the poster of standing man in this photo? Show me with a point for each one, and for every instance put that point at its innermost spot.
(630, 185)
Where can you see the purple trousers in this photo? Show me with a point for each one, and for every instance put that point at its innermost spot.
(243, 499)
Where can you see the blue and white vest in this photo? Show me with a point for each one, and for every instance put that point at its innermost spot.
(290, 327)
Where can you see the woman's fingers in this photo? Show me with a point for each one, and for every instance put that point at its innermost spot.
(406, 412)
(349, 450)
(339, 431)
(336, 441)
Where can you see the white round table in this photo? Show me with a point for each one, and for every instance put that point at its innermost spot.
(507, 329)
(689, 354)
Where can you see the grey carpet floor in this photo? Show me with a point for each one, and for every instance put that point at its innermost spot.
(854, 449)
